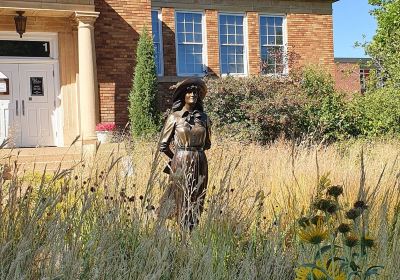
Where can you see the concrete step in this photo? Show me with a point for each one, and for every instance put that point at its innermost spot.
(29, 159)
(41, 158)
(38, 159)
(49, 166)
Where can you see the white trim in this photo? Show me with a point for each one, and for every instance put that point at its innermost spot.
(284, 42)
(52, 37)
(25, 60)
(160, 31)
(204, 43)
(58, 110)
(245, 44)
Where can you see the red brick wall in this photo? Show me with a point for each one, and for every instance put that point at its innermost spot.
(168, 31)
(347, 77)
(212, 42)
(116, 34)
(164, 100)
(310, 40)
(253, 43)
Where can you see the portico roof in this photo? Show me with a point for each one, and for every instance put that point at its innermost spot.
(46, 8)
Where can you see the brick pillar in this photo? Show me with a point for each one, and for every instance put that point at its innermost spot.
(254, 43)
(212, 42)
(168, 33)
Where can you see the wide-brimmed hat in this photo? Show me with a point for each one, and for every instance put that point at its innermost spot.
(182, 87)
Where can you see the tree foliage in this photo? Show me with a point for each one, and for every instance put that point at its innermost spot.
(143, 113)
(385, 46)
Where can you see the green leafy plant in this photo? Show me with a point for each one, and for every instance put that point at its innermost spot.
(143, 113)
(384, 48)
(264, 108)
(378, 112)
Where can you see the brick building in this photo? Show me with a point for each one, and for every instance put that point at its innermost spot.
(73, 66)
(351, 74)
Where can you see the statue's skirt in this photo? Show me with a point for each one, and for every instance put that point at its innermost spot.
(184, 196)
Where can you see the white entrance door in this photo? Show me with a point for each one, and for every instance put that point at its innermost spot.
(31, 104)
(37, 104)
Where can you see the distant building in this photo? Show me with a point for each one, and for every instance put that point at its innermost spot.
(73, 66)
(351, 74)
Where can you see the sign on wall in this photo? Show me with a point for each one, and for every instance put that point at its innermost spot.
(37, 86)
(4, 86)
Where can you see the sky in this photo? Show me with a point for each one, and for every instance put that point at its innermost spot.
(351, 19)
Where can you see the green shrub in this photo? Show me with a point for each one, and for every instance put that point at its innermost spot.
(143, 115)
(264, 108)
(326, 113)
(257, 108)
(316, 82)
(378, 112)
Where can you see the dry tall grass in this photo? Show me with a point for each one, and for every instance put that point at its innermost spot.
(96, 221)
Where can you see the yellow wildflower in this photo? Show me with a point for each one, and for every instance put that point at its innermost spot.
(314, 234)
(332, 268)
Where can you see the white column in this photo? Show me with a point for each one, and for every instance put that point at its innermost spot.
(88, 106)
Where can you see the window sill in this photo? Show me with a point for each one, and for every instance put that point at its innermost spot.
(235, 75)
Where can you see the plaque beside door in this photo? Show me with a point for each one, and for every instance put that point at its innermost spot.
(4, 87)
(37, 86)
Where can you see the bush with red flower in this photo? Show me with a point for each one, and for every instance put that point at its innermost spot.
(106, 126)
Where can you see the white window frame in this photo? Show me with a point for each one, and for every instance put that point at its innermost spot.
(285, 42)
(363, 78)
(204, 39)
(245, 44)
(161, 54)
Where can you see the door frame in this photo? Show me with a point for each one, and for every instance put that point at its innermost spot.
(52, 37)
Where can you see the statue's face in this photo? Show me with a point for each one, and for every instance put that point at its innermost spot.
(191, 97)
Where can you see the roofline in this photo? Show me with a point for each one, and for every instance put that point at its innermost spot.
(352, 59)
(362, 61)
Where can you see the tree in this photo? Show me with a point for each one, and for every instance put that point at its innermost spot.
(385, 46)
(143, 113)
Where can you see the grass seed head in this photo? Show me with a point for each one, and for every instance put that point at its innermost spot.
(353, 214)
(335, 191)
(344, 228)
(351, 240)
(368, 242)
(325, 205)
(360, 205)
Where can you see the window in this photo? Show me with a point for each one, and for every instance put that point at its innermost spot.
(364, 74)
(272, 45)
(232, 47)
(157, 40)
(190, 48)
(25, 48)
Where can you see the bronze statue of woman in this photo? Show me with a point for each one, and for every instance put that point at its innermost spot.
(188, 129)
